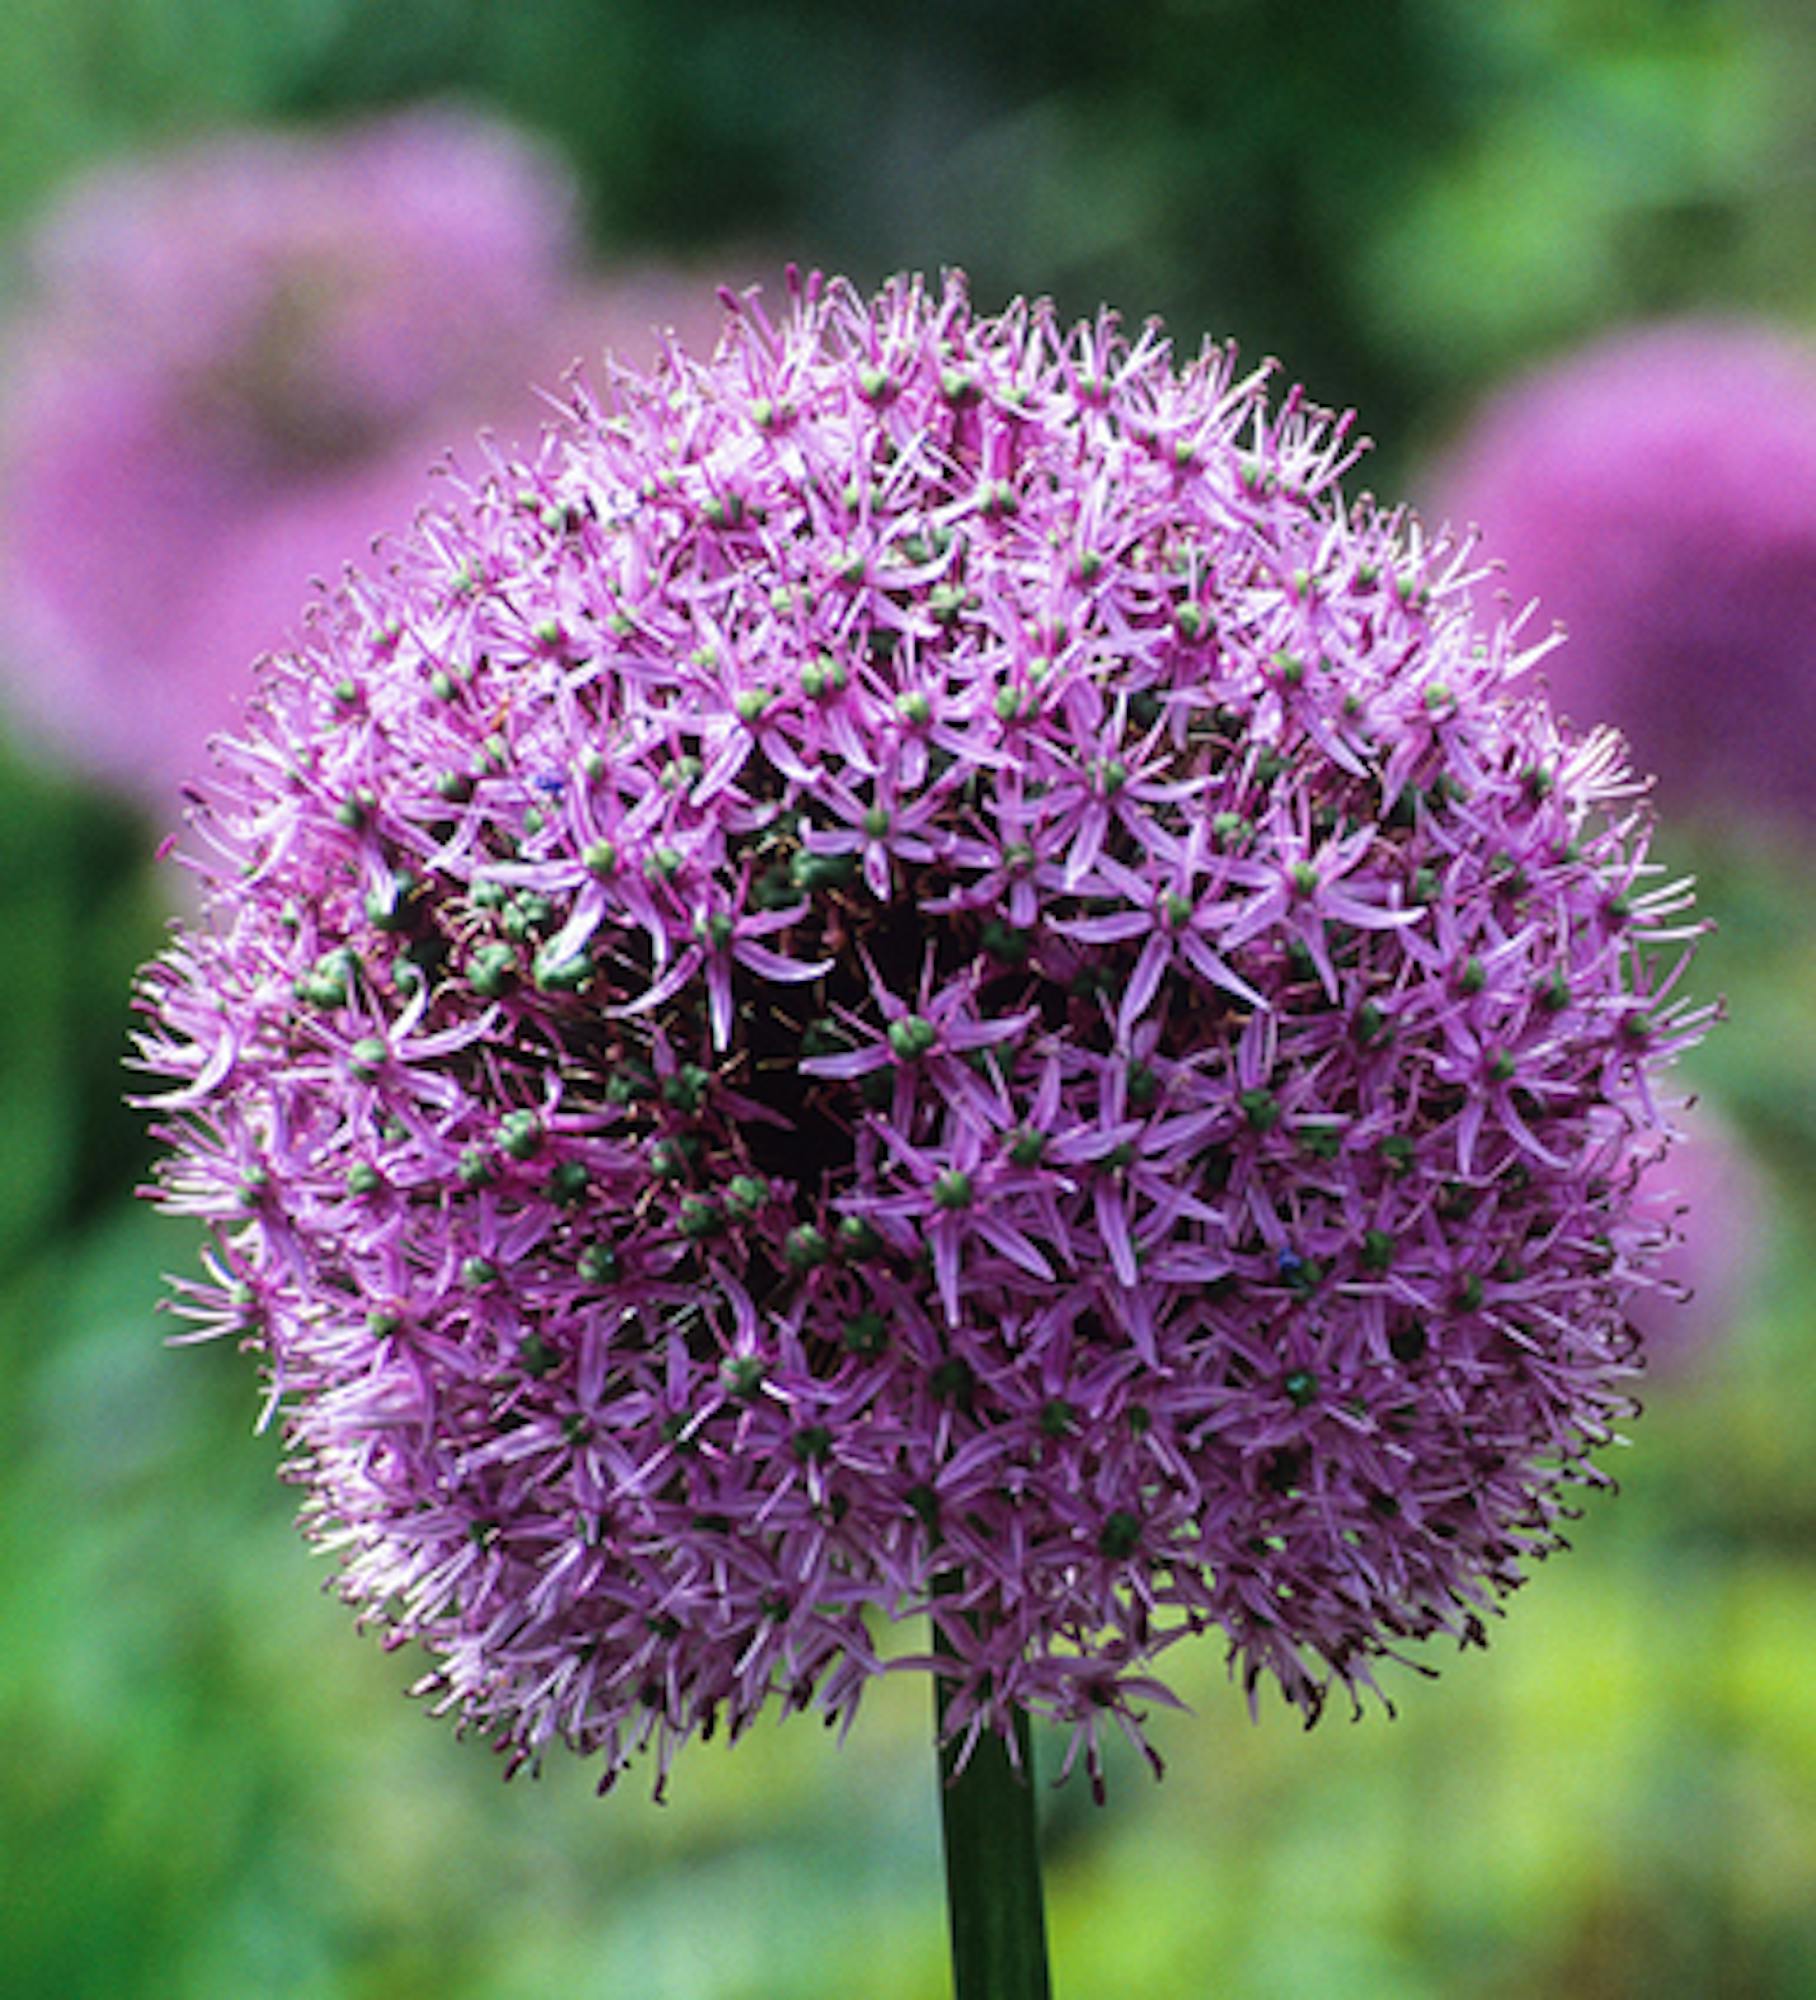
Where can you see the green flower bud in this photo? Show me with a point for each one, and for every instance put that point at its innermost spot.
(866, 1334)
(912, 1037)
(805, 1248)
(1120, 1536)
(492, 970)
(520, 1134)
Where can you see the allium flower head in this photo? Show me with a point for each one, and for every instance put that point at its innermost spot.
(308, 292)
(260, 327)
(1657, 493)
(1710, 1191)
(909, 974)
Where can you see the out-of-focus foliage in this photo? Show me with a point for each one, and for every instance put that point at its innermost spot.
(76, 911)
(213, 1787)
(1396, 199)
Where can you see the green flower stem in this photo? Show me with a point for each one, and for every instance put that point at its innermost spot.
(993, 1889)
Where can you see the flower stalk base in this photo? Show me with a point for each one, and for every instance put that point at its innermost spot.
(994, 1900)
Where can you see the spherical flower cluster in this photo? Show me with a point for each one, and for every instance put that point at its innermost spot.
(908, 974)
(1657, 493)
(309, 319)
(1710, 1193)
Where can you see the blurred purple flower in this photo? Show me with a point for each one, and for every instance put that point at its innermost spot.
(909, 974)
(1657, 494)
(1710, 1193)
(237, 364)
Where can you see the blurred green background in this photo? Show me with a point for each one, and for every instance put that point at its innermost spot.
(213, 1788)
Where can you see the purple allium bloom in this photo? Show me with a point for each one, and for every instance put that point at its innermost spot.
(1657, 493)
(909, 974)
(236, 364)
(1710, 1192)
